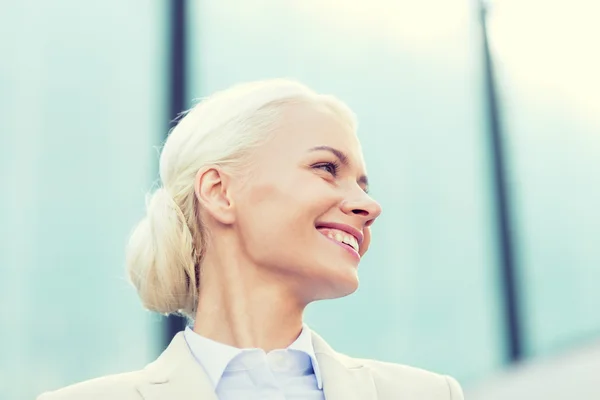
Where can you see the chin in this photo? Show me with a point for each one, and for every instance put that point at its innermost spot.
(347, 291)
(340, 285)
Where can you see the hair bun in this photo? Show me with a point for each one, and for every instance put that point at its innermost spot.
(160, 258)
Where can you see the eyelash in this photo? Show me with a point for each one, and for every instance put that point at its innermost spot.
(330, 167)
(333, 169)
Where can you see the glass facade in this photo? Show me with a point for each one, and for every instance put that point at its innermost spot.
(82, 106)
(550, 84)
(84, 103)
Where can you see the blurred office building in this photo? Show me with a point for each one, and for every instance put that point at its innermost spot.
(482, 143)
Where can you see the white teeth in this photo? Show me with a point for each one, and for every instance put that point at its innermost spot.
(343, 237)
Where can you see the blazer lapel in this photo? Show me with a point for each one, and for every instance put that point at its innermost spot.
(344, 378)
(176, 375)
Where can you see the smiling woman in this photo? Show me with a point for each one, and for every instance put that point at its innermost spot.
(264, 208)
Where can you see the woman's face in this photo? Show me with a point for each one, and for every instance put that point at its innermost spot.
(304, 214)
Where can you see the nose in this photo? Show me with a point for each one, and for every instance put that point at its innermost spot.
(363, 206)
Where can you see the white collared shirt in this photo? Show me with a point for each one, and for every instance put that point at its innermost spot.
(248, 374)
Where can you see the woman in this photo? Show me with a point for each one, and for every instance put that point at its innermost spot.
(264, 208)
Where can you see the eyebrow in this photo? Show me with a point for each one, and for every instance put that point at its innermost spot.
(343, 159)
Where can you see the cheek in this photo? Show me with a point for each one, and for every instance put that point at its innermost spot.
(260, 207)
(267, 215)
(276, 220)
(294, 198)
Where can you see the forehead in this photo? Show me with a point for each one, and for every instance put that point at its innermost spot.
(303, 126)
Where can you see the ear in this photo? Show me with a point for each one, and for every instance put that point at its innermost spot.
(211, 189)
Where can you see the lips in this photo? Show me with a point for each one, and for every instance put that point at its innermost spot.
(342, 233)
(341, 237)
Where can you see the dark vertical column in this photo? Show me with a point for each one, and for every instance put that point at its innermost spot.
(177, 71)
(503, 215)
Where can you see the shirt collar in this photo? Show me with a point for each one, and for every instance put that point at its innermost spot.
(304, 343)
(215, 356)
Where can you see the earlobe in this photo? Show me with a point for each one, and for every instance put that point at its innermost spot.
(211, 189)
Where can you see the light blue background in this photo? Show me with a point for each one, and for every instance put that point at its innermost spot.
(84, 105)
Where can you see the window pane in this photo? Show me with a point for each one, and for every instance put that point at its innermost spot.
(81, 108)
(551, 103)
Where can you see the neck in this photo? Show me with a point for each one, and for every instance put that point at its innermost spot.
(240, 306)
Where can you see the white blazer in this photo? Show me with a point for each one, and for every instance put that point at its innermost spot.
(176, 375)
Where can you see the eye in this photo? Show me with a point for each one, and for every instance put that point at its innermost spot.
(329, 167)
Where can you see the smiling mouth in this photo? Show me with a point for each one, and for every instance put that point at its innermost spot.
(341, 237)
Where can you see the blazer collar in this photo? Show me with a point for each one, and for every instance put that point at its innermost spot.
(177, 375)
(344, 378)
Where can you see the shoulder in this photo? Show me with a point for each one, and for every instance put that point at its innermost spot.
(402, 381)
(113, 387)
(397, 381)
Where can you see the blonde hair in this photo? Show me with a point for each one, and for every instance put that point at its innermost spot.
(165, 250)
